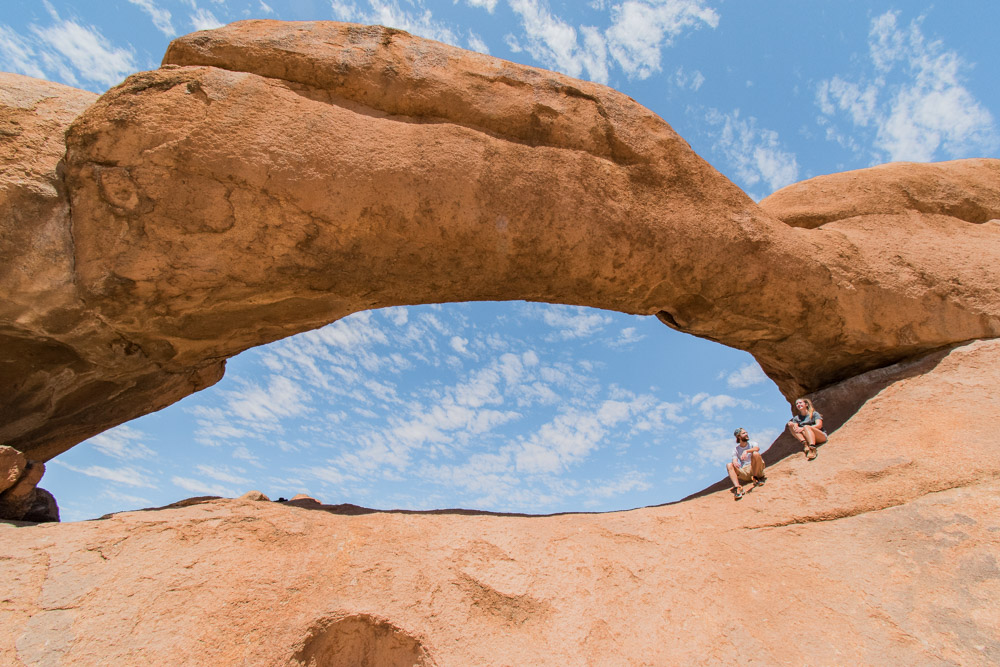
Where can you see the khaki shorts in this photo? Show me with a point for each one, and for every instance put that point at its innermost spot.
(744, 474)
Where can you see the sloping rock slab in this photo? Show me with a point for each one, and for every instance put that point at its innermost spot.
(882, 551)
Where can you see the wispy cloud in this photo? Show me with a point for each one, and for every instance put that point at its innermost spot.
(746, 376)
(573, 321)
(912, 104)
(638, 32)
(127, 475)
(122, 442)
(755, 153)
(202, 488)
(160, 16)
(68, 51)
(204, 19)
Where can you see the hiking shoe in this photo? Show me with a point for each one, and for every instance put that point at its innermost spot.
(739, 493)
(811, 456)
(759, 481)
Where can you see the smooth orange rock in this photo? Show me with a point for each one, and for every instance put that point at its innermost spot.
(882, 551)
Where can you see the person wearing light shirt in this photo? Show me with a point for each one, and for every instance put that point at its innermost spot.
(747, 464)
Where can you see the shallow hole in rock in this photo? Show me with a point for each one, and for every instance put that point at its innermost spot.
(361, 641)
(507, 407)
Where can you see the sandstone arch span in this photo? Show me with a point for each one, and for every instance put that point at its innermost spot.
(273, 177)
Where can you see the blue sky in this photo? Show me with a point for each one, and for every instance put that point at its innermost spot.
(516, 406)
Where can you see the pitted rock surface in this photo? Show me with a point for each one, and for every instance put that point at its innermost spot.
(882, 551)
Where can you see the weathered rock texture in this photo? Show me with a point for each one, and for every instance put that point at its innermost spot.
(273, 177)
(65, 373)
(882, 551)
(20, 499)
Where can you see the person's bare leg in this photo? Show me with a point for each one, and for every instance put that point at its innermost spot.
(817, 436)
(796, 434)
(757, 465)
(733, 478)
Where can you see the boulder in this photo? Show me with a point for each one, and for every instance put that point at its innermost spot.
(44, 508)
(16, 501)
(255, 495)
(965, 190)
(12, 463)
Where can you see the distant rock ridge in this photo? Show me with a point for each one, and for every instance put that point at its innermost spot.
(187, 226)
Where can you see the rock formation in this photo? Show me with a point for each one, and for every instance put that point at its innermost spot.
(20, 497)
(882, 551)
(184, 225)
(67, 374)
(406, 171)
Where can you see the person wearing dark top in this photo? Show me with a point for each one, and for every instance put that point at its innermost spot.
(806, 426)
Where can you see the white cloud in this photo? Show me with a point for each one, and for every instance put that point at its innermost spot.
(460, 344)
(554, 42)
(755, 153)
(221, 474)
(202, 488)
(488, 5)
(345, 10)
(630, 481)
(626, 338)
(160, 16)
(573, 321)
(914, 100)
(127, 475)
(266, 406)
(18, 55)
(75, 52)
(418, 22)
(204, 19)
(745, 376)
(476, 43)
(266, 8)
(713, 444)
(691, 80)
(122, 442)
(713, 406)
(640, 29)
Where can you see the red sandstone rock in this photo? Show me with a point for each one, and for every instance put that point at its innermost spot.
(12, 463)
(16, 501)
(67, 374)
(882, 551)
(962, 189)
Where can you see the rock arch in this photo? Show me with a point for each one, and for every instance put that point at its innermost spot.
(273, 177)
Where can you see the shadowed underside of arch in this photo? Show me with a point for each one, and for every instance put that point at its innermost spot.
(273, 177)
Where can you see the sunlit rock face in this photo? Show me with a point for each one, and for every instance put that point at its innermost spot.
(273, 177)
(66, 373)
(891, 535)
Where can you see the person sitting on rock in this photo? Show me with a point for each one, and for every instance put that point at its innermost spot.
(807, 427)
(747, 464)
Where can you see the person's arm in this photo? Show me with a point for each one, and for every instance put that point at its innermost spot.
(818, 420)
(754, 447)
